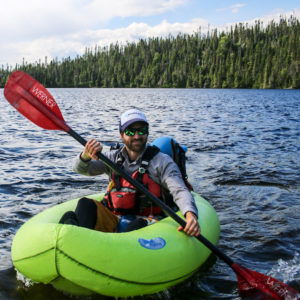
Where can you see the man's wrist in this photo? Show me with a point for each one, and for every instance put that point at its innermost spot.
(190, 212)
(84, 159)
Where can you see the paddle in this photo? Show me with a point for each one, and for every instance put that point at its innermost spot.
(32, 100)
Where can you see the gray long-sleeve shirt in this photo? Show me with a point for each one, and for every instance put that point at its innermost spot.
(161, 169)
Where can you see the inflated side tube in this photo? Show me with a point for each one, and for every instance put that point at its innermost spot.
(83, 261)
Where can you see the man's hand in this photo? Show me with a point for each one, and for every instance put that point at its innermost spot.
(90, 150)
(192, 227)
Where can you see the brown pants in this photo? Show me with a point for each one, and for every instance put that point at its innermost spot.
(107, 221)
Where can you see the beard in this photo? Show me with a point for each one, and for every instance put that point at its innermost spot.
(136, 145)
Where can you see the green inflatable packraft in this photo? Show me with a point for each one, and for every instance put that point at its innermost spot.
(81, 261)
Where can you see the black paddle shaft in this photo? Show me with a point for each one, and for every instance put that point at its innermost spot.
(19, 87)
(157, 201)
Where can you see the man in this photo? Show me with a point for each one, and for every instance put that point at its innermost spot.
(161, 172)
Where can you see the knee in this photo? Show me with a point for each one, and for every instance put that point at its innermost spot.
(85, 204)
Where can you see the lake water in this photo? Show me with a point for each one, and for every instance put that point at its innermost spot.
(243, 156)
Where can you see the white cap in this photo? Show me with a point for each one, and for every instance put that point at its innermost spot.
(131, 116)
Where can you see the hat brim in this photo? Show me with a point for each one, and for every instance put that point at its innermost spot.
(128, 123)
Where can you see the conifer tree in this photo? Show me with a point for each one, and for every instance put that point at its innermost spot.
(243, 57)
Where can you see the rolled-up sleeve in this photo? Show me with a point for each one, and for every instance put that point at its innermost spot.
(167, 173)
(90, 168)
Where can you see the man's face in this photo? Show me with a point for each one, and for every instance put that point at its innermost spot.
(135, 143)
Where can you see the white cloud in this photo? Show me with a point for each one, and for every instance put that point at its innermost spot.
(21, 20)
(34, 29)
(75, 43)
(266, 19)
(234, 8)
(73, 40)
(117, 8)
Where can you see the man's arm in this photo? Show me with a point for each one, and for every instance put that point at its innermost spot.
(169, 176)
(89, 168)
(87, 163)
(192, 227)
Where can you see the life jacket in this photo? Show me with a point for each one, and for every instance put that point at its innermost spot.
(123, 198)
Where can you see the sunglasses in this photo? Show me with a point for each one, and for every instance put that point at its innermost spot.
(140, 131)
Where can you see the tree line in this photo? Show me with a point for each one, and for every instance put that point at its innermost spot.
(245, 56)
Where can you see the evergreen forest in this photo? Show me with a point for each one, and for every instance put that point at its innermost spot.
(256, 56)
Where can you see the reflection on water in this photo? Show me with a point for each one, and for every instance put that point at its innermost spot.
(243, 156)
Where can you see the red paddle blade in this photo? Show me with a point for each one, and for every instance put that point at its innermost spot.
(33, 101)
(261, 286)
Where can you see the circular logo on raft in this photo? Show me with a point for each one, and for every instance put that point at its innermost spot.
(153, 244)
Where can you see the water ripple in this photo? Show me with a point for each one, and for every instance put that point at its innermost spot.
(243, 157)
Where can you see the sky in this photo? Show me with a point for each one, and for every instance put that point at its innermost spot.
(56, 29)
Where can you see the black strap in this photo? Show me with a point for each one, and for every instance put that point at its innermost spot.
(117, 177)
(149, 153)
(179, 158)
(115, 147)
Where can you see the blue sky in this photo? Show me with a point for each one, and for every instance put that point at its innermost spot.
(216, 12)
(33, 29)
